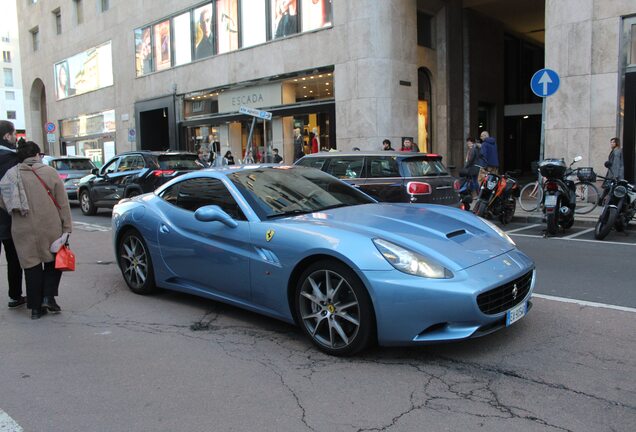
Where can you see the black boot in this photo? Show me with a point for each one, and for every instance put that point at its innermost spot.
(50, 304)
(37, 313)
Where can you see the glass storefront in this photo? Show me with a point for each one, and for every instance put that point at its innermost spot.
(91, 135)
(303, 101)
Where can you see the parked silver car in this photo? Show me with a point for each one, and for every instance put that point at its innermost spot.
(70, 169)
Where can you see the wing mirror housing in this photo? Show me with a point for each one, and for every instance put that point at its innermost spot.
(95, 171)
(213, 213)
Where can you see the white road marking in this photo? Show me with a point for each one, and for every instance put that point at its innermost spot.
(522, 228)
(574, 239)
(571, 236)
(585, 303)
(7, 424)
(90, 227)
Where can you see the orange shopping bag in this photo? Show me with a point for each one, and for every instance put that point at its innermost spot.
(65, 259)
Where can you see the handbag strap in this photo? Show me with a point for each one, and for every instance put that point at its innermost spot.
(48, 191)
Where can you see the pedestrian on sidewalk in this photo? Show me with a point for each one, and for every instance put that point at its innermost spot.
(471, 164)
(9, 159)
(617, 170)
(34, 196)
(489, 152)
(386, 145)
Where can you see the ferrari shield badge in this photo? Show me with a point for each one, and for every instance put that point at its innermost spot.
(269, 235)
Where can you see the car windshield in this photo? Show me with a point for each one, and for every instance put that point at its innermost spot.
(72, 164)
(178, 162)
(423, 166)
(284, 191)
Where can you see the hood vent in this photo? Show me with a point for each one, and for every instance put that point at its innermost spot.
(455, 233)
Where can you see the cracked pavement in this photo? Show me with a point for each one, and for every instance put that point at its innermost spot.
(115, 361)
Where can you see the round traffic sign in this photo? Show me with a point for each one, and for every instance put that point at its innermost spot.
(545, 82)
(50, 127)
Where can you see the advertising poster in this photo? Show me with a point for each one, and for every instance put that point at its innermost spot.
(143, 51)
(162, 45)
(204, 38)
(316, 14)
(284, 18)
(227, 19)
(84, 72)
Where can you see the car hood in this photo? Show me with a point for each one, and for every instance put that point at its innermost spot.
(455, 238)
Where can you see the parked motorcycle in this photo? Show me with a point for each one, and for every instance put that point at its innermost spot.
(559, 195)
(497, 197)
(619, 206)
(465, 191)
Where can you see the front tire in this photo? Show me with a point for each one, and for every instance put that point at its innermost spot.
(334, 309)
(605, 223)
(135, 263)
(480, 208)
(86, 204)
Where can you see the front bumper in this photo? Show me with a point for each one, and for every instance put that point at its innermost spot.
(411, 310)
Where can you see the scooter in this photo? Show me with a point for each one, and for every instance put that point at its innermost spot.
(559, 196)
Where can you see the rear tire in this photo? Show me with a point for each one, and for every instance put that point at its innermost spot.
(530, 196)
(480, 208)
(605, 223)
(86, 203)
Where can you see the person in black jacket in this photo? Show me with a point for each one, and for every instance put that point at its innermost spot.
(9, 159)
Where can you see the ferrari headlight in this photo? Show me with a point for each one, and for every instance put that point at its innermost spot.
(499, 231)
(410, 262)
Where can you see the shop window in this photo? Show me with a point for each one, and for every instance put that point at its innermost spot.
(316, 14)
(143, 51)
(161, 45)
(253, 25)
(424, 91)
(204, 45)
(633, 46)
(11, 115)
(227, 25)
(284, 15)
(182, 38)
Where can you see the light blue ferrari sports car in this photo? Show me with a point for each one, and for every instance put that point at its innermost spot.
(300, 245)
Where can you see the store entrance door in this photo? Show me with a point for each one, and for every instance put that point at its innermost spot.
(629, 126)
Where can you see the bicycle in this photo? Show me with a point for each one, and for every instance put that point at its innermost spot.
(531, 195)
(585, 189)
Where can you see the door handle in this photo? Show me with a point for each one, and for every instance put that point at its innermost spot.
(164, 229)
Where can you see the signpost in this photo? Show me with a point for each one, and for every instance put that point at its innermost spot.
(545, 82)
(132, 134)
(264, 115)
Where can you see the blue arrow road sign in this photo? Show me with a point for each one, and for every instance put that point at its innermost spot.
(545, 82)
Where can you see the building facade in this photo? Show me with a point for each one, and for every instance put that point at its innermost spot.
(114, 76)
(11, 100)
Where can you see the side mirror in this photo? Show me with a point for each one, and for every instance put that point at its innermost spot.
(212, 213)
(578, 158)
(607, 164)
(95, 171)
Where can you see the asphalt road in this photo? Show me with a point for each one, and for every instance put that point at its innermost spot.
(116, 361)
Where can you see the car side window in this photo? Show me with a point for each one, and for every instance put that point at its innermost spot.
(110, 167)
(198, 192)
(382, 167)
(131, 162)
(346, 167)
(170, 194)
(313, 162)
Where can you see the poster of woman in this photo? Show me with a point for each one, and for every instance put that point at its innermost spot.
(315, 14)
(63, 87)
(162, 45)
(285, 18)
(143, 50)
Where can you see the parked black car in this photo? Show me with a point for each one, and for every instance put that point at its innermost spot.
(129, 174)
(391, 176)
(70, 169)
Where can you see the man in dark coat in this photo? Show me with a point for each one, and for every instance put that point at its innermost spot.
(8, 159)
(489, 152)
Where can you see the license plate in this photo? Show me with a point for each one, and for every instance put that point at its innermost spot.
(516, 313)
(550, 201)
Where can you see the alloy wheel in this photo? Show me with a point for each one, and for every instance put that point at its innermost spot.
(329, 309)
(134, 261)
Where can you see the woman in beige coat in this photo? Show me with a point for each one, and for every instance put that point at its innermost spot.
(40, 224)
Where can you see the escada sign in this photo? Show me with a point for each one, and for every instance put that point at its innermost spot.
(253, 97)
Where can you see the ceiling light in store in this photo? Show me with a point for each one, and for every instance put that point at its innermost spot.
(304, 86)
(311, 91)
(525, 116)
(326, 83)
(296, 80)
(304, 78)
(311, 77)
